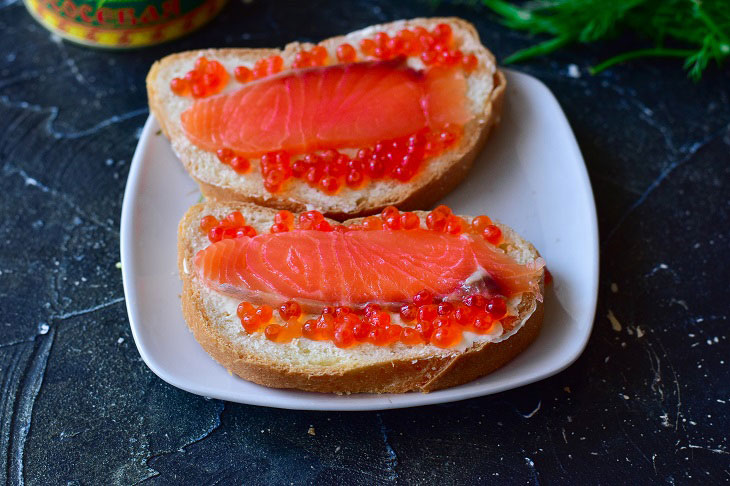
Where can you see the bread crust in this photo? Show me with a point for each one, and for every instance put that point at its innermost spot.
(418, 193)
(395, 376)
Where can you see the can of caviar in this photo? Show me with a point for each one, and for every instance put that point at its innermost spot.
(122, 24)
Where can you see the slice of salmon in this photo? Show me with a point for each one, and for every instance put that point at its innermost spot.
(354, 268)
(347, 105)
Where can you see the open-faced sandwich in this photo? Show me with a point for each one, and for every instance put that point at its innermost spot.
(398, 302)
(392, 114)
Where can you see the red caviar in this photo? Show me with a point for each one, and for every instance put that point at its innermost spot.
(434, 48)
(236, 218)
(242, 74)
(367, 46)
(445, 308)
(428, 57)
(292, 329)
(354, 178)
(346, 53)
(206, 78)
(410, 336)
(237, 162)
(302, 60)
(394, 332)
(225, 155)
(274, 64)
(496, 307)
(454, 225)
(240, 164)
(290, 310)
(469, 62)
(436, 221)
(427, 313)
(329, 184)
(272, 331)
(245, 308)
(443, 32)
(372, 223)
(482, 324)
(408, 312)
(215, 234)
(279, 228)
(443, 209)
(330, 170)
(323, 226)
(424, 329)
(446, 336)
(232, 226)
(342, 310)
(378, 336)
(361, 330)
(267, 67)
(208, 223)
(424, 297)
(284, 217)
(343, 337)
(479, 223)
(309, 330)
(264, 313)
(319, 55)
(391, 217)
(371, 309)
(179, 86)
(463, 315)
(410, 221)
(260, 69)
(308, 219)
(492, 234)
(475, 300)
(439, 324)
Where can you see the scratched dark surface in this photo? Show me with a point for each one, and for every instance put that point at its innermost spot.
(647, 402)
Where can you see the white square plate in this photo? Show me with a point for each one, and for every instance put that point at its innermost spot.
(531, 176)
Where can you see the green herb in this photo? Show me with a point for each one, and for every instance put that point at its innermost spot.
(696, 30)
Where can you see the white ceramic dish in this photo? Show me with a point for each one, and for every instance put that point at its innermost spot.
(531, 176)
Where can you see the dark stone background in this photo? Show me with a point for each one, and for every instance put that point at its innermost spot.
(647, 403)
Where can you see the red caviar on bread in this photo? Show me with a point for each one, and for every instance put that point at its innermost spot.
(396, 117)
(443, 327)
(295, 122)
(390, 114)
(445, 276)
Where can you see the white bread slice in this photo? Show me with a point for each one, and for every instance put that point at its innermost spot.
(321, 366)
(440, 175)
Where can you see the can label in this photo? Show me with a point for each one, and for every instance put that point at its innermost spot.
(123, 23)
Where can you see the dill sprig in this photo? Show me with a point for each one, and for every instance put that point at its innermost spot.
(697, 31)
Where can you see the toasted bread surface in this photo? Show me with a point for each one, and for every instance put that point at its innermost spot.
(486, 87)
(321, 366)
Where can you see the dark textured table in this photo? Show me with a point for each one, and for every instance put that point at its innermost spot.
(647, 401)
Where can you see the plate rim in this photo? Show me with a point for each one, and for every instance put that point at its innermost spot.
(355, 402)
